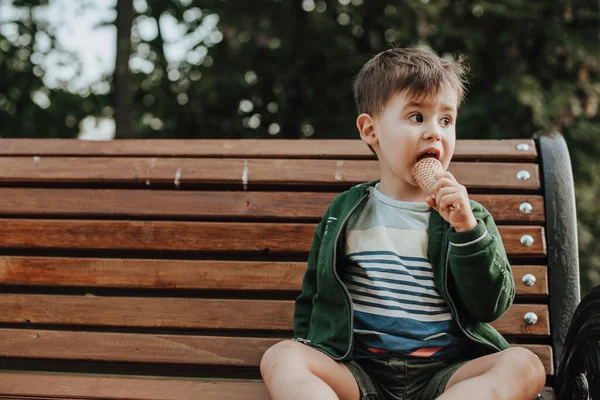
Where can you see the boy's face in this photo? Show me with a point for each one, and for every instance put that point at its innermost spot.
(407, 128)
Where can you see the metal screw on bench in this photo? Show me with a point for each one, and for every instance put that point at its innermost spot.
(529, 280)
(522, 147)
(527, 240)
(526, 208)
(530, 318)
(523, 175)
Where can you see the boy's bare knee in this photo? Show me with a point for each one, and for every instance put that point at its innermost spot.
(278, 355)
(527, 366)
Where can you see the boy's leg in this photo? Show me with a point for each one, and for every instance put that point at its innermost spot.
(515, 373)
(294, 371)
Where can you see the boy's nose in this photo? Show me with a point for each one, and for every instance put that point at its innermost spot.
(433, 133)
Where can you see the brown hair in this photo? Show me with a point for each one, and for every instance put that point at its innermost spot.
(416, 71)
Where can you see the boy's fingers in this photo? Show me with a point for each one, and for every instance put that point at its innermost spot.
(446, 174)
(449, 201)
(444, 192)
(450, 176)
(442, 182)
(429, 201)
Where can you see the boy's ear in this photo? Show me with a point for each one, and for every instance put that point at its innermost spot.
(366, 126)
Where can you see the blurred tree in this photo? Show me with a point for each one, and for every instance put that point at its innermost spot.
(284, 69)
(28, 107)
(123, 90)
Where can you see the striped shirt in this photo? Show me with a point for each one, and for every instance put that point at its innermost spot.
(397, 308)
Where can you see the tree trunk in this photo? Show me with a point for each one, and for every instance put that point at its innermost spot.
(294, 86)
(123, 91)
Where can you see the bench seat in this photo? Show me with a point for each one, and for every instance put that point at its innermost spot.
(163, 269)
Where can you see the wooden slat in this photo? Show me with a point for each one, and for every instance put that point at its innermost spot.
(149, 348)
(511, 238)
(513, 323)
(131, 347)
(547, 393)
(16, 397)
(64, 386)
(540, 272)
(314, 148)
(214, 204)
(184, 274)
(152, 274)
(197, 236)
(182, 172)
(195, 313)
(505, 208)
(147, 312)
(144, 235)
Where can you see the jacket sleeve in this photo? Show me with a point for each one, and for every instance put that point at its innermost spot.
(303, 306)
(482, 274)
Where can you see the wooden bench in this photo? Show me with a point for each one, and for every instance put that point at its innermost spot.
(164, 269)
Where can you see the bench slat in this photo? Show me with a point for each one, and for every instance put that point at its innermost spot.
(314, 148)
(185, 274)
(191, 313)
(64, 386)
(182, 172)
(275, 238)
(214, 204)
(104, 387)
(540, 272)
(150, 348)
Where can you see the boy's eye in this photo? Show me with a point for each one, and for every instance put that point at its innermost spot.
(416, 118)
(445, 121)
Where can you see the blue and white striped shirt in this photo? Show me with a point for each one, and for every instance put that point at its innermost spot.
(398, 310)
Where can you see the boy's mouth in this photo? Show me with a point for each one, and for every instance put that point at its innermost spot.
(429, 153)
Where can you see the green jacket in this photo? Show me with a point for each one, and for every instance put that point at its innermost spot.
(471, 272)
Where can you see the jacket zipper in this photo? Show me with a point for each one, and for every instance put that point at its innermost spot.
(453, 307)
(351, 333)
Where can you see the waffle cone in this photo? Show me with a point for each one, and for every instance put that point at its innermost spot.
(424, 172)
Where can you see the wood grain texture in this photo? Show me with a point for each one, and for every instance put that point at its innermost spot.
(278, 238)
(152, 274)
(150, 348)
(251, 148)
(301, 206)
(189, 313)
(181, 172)
(185, 274)
(540, 272)
(64, 386)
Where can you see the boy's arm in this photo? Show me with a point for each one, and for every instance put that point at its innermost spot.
(479, 264)
(303, 305)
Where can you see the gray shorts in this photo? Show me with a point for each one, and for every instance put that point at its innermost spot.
(402, 378)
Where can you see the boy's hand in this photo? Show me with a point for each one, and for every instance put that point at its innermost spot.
(448, 192)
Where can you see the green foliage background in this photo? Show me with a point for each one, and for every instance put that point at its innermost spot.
(283, 69)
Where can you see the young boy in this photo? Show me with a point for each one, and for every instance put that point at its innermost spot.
(402, 282)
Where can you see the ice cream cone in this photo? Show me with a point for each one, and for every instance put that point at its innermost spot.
(424, 173)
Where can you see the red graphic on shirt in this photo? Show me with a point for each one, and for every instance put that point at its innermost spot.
(377, 351)
(425, 352)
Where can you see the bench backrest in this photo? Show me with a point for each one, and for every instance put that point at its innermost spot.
(183, 258)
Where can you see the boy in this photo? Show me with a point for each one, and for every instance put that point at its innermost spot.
(402, 282)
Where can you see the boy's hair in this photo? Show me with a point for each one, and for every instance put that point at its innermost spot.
(412, 70)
